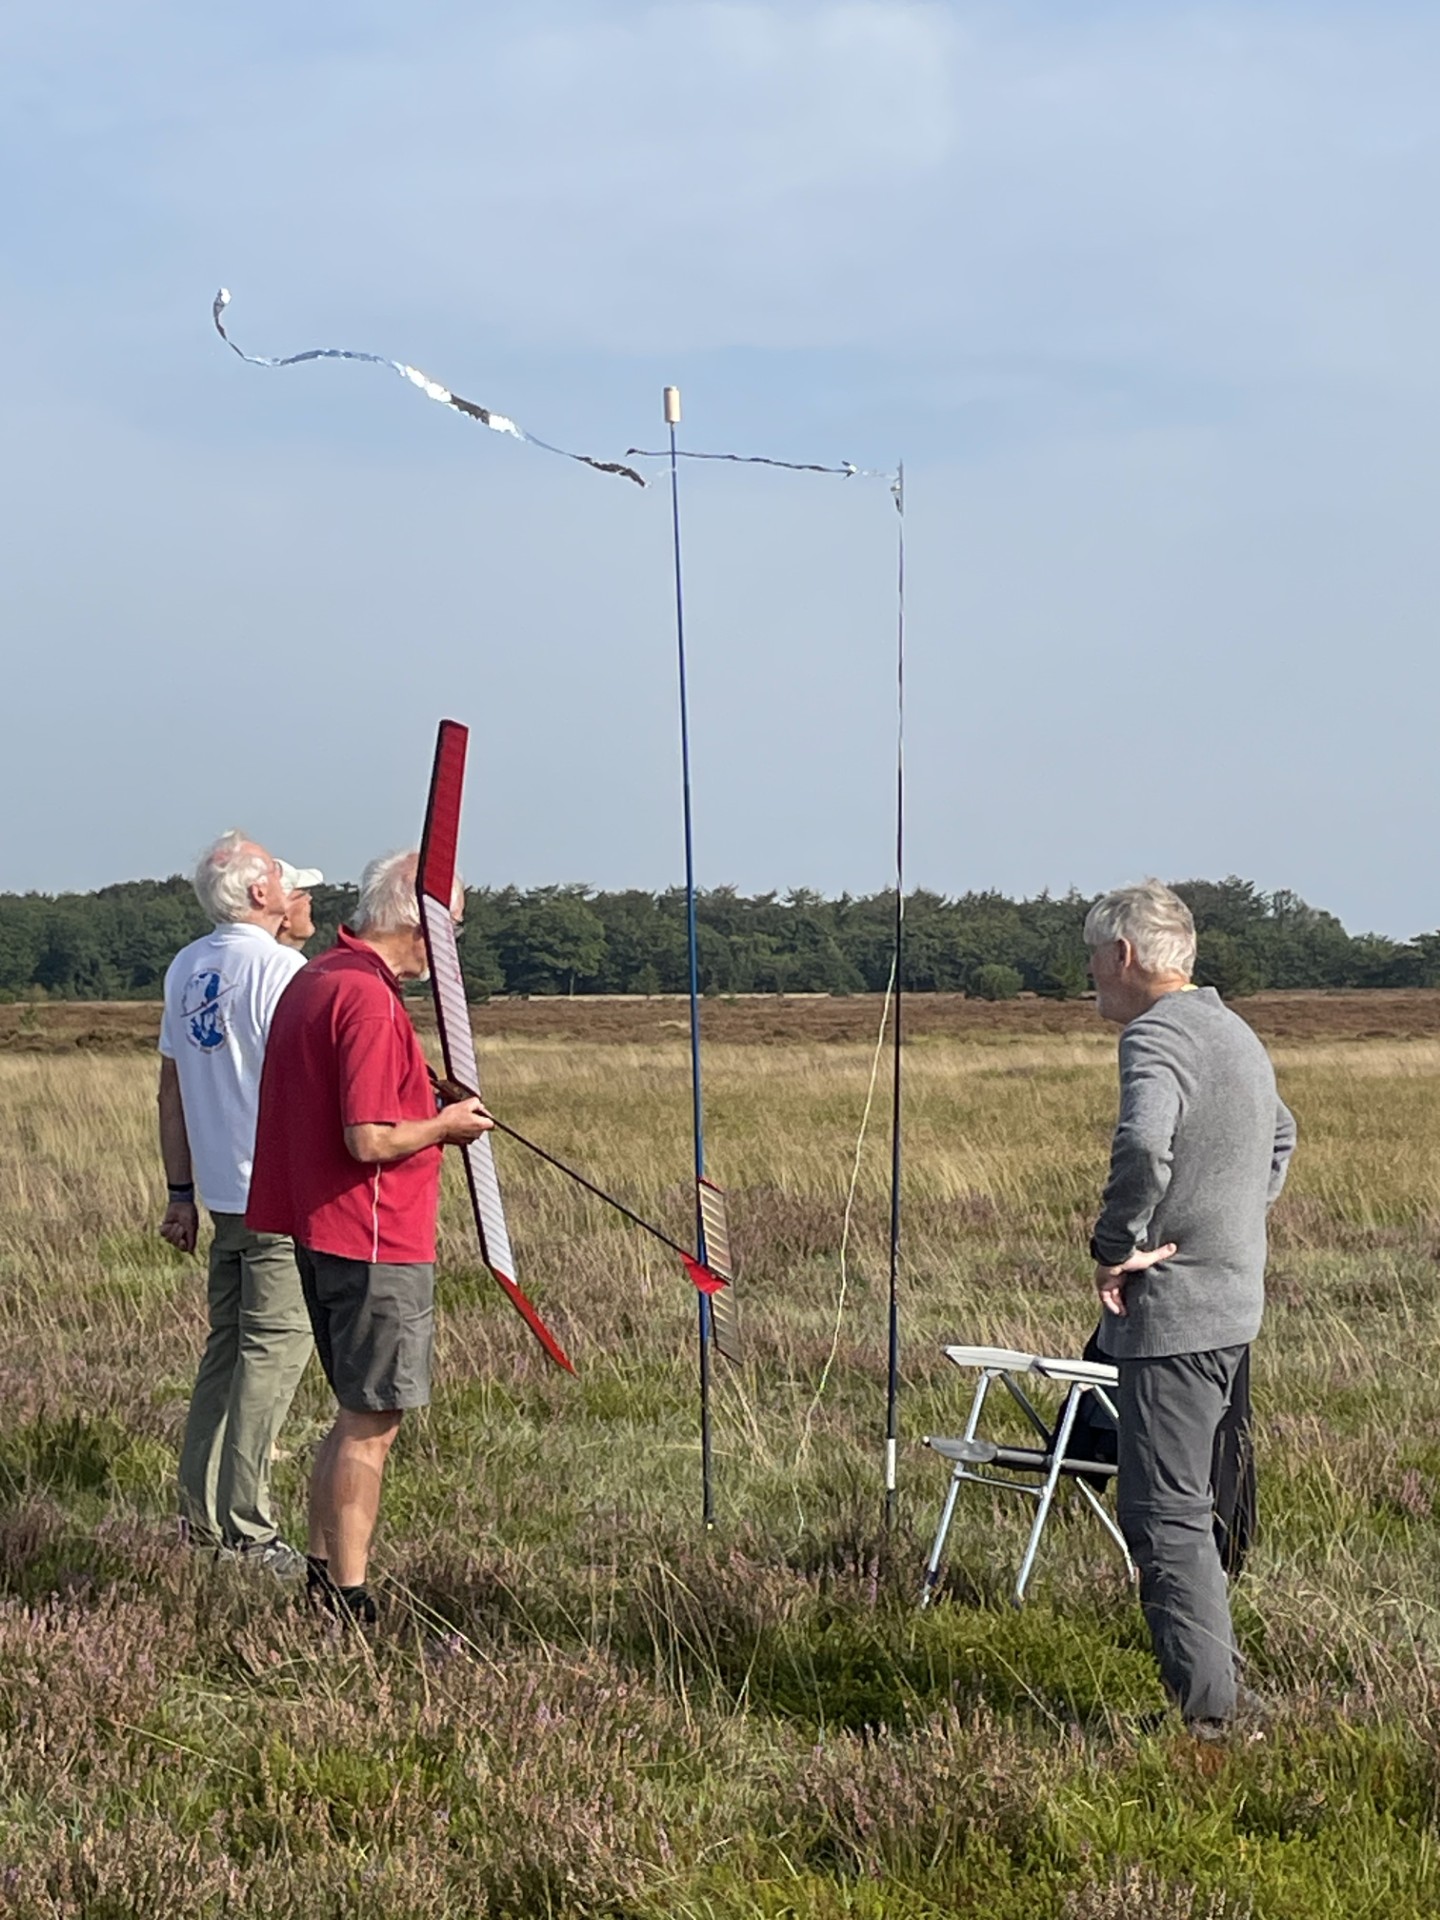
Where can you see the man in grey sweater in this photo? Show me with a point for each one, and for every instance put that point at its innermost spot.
(1199, 1156)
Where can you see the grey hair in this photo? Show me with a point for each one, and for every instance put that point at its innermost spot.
(1156, 922)
(389, 899)
(225, 873)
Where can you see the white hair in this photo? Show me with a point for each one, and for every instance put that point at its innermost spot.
(389, 898)
(225, 873)
(1156, 922)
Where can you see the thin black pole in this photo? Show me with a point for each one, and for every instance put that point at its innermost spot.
(637, 1219)
(672, 418)
(892, 1391)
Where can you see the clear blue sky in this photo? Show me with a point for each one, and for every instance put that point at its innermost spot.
(1145, 295)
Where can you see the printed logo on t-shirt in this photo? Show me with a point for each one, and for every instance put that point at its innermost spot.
(203, 1009)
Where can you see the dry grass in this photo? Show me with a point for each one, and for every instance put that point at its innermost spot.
(582, 1706)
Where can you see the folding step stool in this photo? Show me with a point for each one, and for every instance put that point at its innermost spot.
(1046, 1465)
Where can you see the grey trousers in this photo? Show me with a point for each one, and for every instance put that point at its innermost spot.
(1169, 1409)
(256, 1352)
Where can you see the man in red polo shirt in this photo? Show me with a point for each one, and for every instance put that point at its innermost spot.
(347, 1156)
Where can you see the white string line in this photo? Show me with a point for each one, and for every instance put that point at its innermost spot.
(850, 1207)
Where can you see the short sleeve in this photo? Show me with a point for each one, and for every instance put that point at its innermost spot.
(169, 1038)
(372, 1057)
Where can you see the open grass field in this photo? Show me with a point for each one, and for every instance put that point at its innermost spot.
(578, 1703)
(120, 1026)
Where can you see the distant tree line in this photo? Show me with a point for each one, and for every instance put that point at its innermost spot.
(115, 944)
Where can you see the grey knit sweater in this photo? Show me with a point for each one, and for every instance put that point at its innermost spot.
(1199, 1156)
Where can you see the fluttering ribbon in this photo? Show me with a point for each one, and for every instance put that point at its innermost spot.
(432, 389)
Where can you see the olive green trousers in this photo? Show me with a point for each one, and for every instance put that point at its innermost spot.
(258, 1344)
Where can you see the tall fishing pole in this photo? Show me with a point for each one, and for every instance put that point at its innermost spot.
(892, 1385)
(707, 1478)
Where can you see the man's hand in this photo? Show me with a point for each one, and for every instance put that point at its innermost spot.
(1111, 1280)
(463, 1121)
(181, 1225)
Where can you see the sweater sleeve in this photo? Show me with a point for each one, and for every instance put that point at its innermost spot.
(1141, 1154)
(1284, 1147)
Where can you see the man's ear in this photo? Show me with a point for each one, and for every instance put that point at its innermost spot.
(1127, 954)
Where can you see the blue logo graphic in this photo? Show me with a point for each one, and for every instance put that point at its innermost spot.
(203, 1011)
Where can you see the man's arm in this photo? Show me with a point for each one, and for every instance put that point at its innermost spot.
(378, 1143)
(181, 1222)
(1284, 1147)
(1142, 1151)
(373, 1057)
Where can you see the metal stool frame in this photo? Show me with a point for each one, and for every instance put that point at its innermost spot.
(999, 1363)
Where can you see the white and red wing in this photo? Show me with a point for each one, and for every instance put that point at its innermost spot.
(435, 883)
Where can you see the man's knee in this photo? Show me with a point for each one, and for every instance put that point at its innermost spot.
(367, 1426)
(1166, 1530)
(275, 1339)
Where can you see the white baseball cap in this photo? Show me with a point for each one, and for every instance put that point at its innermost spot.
(298, 879)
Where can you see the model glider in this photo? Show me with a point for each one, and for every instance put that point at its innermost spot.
(435, 884)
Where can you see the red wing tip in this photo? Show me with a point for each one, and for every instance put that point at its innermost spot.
(532, 1320)
(705, 1278)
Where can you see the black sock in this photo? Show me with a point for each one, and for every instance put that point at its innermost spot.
(317, 1572)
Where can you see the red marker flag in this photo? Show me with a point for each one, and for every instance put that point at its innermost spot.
(705, 1280)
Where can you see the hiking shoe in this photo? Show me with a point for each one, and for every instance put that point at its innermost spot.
(1249, 1722)
(1209, 1733)
(1252, 1707)
(275, 1557)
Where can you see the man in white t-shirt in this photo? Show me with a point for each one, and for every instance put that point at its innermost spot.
(220, 994)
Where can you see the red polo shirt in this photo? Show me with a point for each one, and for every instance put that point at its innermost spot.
(342, 1053)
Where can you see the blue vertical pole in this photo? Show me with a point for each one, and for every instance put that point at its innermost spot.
(892, 1385)
(672, 418)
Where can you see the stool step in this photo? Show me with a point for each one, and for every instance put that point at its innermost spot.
(983, 1453)
(975, 1453)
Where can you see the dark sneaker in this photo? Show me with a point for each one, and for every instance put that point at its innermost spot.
(359, 1603)
(354, 1606)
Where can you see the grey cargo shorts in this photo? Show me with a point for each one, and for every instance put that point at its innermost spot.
(374, 1327)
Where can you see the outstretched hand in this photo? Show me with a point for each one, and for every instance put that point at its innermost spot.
(1111, 1281)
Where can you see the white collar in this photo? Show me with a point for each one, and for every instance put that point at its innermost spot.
(244, 929)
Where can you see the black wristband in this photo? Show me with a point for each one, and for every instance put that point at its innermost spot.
(185, 1191)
